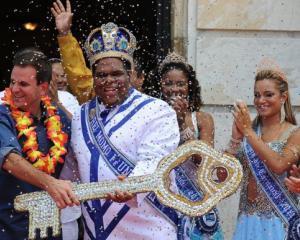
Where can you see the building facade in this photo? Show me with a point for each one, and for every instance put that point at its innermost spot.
(224, 40)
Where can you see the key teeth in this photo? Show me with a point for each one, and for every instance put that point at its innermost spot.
(56, 230)
(34, 225)
(43, 232)
(32, 233)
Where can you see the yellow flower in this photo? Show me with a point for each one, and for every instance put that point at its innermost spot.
(53, 123)
(40, 164)
(26, 131)
(30, 143)
(33, 155)
(24, 121)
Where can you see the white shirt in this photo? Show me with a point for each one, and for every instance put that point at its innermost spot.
(145, 139)
(68, 100)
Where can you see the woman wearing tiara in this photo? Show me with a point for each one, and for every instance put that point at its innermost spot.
(176, 83)
(267, 147)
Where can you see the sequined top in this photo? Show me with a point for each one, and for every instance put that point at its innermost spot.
(261, 206)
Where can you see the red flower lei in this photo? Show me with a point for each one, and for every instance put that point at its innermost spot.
(46, 163)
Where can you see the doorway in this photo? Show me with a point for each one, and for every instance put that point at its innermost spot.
(148, 20)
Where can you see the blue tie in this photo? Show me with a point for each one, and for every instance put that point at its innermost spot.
(104, 115)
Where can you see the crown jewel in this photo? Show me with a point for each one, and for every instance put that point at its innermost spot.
(110, 41)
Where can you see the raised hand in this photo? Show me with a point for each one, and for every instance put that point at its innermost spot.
(180, 105)
(63, 16)
(293, 181)
(242, 118)
(295, 171)
(235, 132)
(53, 91)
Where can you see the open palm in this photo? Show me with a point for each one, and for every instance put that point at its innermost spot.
(63, 16)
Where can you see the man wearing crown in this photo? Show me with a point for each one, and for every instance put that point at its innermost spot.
(80, 80)
(121, 132)
(34, 137)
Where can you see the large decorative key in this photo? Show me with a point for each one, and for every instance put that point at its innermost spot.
(43, 212)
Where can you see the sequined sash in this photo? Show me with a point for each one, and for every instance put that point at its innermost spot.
(207, 223)
(276, 193)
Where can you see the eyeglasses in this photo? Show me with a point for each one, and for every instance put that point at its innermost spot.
(180, 84)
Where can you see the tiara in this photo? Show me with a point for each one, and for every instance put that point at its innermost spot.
(270, 64)
(110, 41)
(173, 58)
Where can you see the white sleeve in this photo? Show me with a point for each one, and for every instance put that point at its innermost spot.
(161, 137)
(70, 169)
(69, 101)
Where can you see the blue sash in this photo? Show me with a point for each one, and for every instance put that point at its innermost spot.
(196, 226)
(99, 145)
(276, 193)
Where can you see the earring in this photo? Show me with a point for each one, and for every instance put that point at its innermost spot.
(282, 113)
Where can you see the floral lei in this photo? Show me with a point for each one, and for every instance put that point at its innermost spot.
(46, 163)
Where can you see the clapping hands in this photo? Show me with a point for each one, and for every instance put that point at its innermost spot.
(293, 181)
(242, 118)
(180, 105)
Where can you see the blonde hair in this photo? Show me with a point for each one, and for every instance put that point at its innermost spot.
(282, 85)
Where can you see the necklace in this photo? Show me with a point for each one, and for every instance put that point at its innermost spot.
(272, 133)
(45, 162)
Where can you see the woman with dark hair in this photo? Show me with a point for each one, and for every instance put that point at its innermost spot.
(176, 83)
(267, 147)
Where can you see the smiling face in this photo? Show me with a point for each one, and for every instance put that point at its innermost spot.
(26, 92)
(174, 83)
(111, 81)
(59, 76)
(267, 98)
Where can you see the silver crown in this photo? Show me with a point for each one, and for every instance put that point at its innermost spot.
(173, 58)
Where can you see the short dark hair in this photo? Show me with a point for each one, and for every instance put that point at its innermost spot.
(54, 60)
(38, 60)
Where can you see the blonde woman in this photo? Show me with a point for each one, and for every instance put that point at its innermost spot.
(267, 147)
